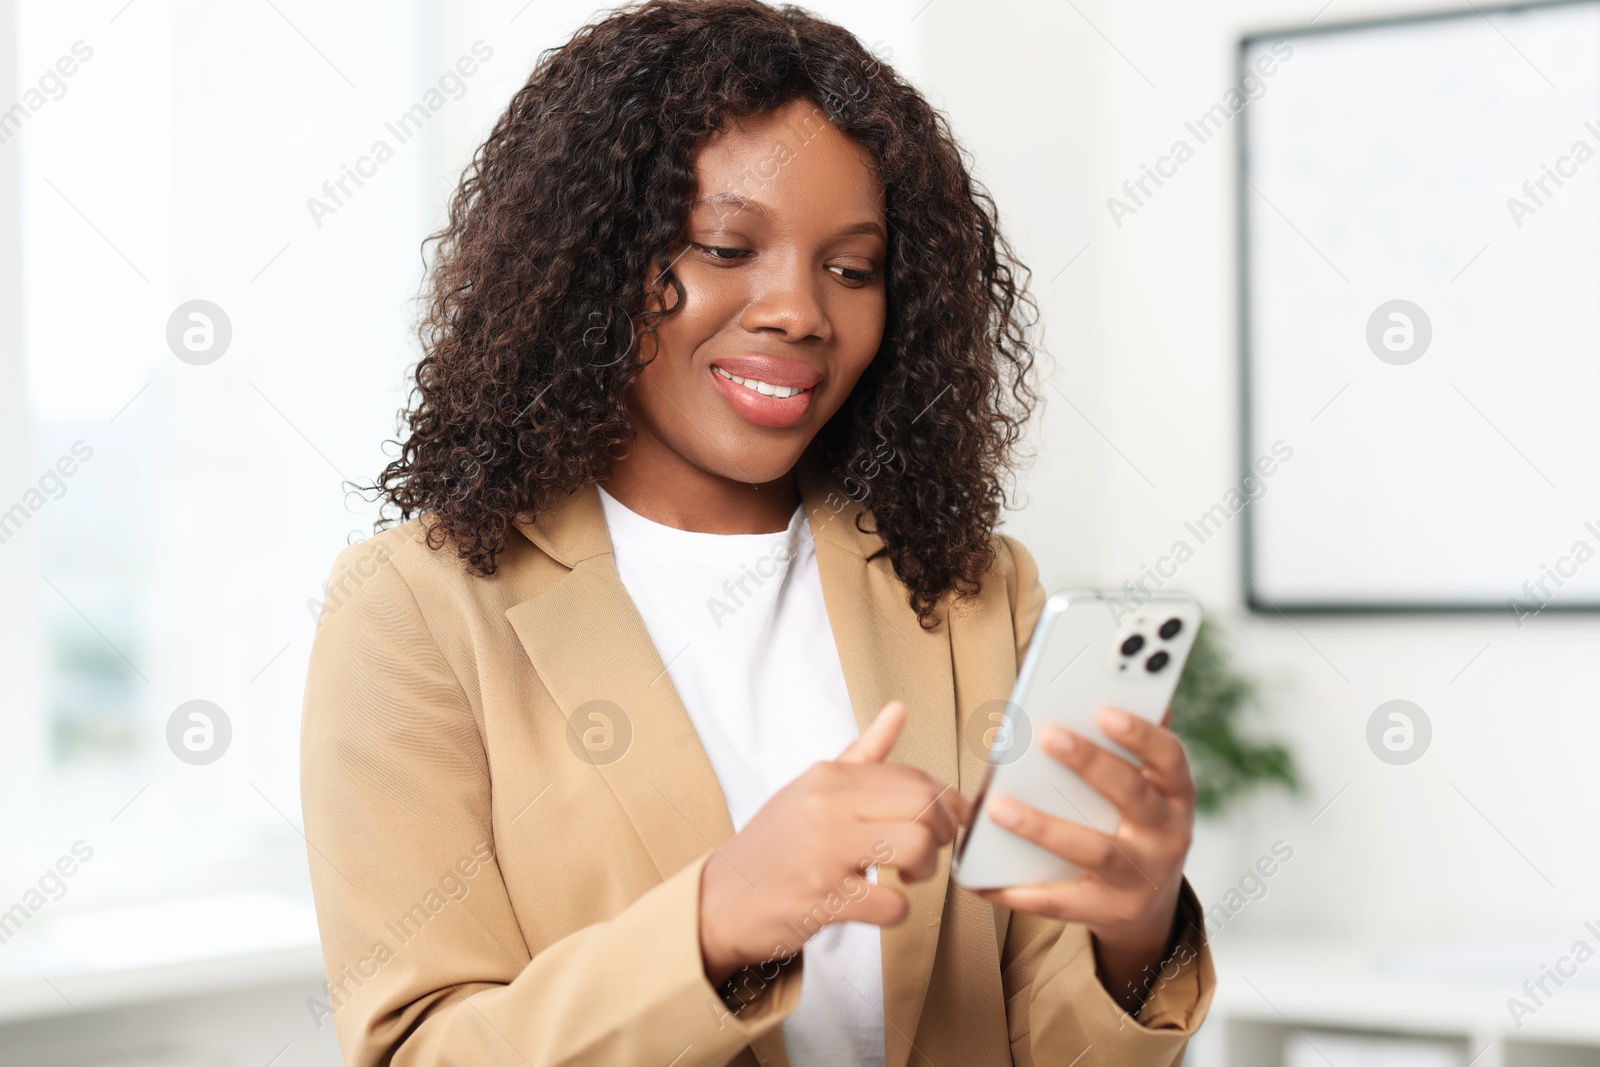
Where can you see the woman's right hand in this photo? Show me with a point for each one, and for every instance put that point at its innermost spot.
(798, 863)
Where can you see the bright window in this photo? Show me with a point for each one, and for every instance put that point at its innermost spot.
(180, 506)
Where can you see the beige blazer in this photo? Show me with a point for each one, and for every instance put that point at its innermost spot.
(508, 810)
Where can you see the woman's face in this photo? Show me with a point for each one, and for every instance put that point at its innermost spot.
(782, 269)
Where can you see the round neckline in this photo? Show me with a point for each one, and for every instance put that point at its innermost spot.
(615, 509)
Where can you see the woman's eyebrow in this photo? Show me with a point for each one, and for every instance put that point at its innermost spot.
(869, 226)
(736, 202)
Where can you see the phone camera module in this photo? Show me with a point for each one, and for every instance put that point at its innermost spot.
(1133, 644)
(1170, 628)
(1156, 662)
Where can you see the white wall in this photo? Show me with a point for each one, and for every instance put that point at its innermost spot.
(1144, 329)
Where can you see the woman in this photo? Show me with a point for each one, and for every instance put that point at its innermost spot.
(643, 738)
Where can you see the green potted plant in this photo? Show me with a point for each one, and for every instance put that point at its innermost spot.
(1211, 699)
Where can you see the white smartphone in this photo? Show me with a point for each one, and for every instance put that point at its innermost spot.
(1089, 649)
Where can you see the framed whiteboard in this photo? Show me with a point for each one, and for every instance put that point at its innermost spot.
(1419, 265)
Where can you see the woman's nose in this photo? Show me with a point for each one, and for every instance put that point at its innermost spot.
(787, 297)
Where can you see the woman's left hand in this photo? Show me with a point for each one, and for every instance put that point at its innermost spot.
(1128, 899)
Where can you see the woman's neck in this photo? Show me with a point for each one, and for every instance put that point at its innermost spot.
(667, 488)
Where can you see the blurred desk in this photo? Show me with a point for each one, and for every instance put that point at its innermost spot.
(1271, 992)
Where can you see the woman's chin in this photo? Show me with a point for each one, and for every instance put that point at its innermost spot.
(756, 461)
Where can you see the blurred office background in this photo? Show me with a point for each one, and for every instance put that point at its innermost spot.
(178, 515)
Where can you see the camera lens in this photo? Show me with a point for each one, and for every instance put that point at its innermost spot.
(1132, 644)
(1170, 628)
(1156, 662)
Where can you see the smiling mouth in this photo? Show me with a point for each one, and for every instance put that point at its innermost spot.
(781, 392)
(782, 404)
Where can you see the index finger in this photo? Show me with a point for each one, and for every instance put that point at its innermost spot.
(1165, 764)
(878, 738)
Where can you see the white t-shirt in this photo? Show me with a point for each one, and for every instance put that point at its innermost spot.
(739, 622)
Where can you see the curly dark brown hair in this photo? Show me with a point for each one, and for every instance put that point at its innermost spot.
(538, 294)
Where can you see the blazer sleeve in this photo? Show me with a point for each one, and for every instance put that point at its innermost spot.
(426, 963)
(1057, 1009)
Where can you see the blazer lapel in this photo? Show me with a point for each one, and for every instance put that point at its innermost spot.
(588, 643)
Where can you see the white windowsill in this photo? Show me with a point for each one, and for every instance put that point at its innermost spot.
(157, 951)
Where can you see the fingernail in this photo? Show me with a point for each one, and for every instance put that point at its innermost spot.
(1116, 721)
(1004, 811)
(1058, 739)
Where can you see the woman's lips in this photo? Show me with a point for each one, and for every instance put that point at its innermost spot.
(775, 370)
(773, 373)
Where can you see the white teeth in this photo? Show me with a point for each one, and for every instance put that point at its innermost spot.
(781, 392)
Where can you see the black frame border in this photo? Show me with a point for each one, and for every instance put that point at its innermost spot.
(1252, 597)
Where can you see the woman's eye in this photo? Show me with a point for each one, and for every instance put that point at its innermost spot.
(855, 275)
(722, 253)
